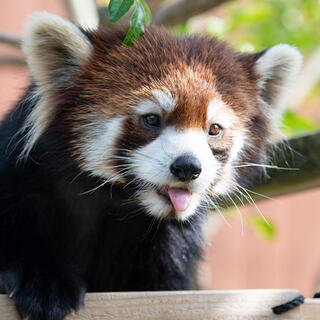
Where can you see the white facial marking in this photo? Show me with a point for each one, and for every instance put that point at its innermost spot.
(228, 181)
(99, 146)
(147, 106)
(220, 113)
(156, 206)
(164, 99)
(164, 102)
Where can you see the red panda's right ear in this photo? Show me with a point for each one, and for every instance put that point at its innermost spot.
(55, 49)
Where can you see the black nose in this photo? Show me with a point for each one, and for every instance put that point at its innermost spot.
(186, 168)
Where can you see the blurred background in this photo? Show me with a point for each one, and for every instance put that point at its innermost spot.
(243, 251)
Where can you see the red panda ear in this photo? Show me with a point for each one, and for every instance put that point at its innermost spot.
(55, 49)
(277, 68)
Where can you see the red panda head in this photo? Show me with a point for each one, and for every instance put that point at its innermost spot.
(173, 117)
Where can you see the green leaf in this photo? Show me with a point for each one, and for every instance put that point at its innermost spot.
(147, 12)
(118, 8)
(136, 25)
(263, 229)
(141, 16)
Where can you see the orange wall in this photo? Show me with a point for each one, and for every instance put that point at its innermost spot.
(290, 260)
(13, 16)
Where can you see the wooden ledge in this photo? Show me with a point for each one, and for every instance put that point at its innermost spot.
(185, 305)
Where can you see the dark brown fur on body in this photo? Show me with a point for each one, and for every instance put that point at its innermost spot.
(91, 194)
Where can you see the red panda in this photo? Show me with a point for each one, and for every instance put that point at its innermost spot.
(112, 159)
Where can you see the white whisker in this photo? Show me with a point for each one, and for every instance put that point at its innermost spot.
(263, 166)
(212, 203)
(239, 212)
(94, 189)
(250, 200)
(258, 194)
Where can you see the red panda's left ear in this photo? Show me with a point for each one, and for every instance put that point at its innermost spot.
(277, 69)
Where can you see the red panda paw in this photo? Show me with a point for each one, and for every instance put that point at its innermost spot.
(43, 291)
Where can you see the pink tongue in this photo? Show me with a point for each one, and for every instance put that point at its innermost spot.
(180, 198)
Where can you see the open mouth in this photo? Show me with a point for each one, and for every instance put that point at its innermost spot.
(178, 197)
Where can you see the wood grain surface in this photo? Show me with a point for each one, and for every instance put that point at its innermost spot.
(185, 305)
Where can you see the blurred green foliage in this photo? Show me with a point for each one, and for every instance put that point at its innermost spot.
(258, 24)
(265, 230)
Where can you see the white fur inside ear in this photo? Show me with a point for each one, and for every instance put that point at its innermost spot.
(278, 68)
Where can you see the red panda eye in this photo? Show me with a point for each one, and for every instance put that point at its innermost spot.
(215, 130)
(151, 120)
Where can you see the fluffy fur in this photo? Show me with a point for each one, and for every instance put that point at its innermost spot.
(85, 200)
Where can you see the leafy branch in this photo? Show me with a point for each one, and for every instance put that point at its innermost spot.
(140, 18)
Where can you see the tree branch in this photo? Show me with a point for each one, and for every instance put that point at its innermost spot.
(183, 10)
(12, 61)
(154, 5)
(10, 40)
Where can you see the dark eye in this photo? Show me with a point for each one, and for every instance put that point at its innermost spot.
(151, 120)
(215, 130)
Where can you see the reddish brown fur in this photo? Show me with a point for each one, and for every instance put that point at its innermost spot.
(194, 69)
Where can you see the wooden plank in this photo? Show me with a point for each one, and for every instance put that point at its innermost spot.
(310, 310)
(179, 305)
